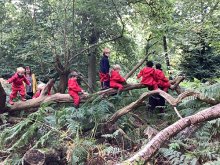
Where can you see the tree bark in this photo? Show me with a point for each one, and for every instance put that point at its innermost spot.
(40, 157)
(153, 146)
(2, 97)
(172, 101)
(92, 60)
(63, 82)
(165, 50)
(66, 98)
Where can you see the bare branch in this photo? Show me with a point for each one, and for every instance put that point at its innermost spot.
(152, 147)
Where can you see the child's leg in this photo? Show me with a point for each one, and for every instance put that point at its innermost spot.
(166, 86)
(22, 93)
(76, 98)
(116, 85)
(12, 96)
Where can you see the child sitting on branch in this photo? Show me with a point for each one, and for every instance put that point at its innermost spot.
(162, 81)
(148, 76)
(74, 89)
(116, 80)
(40, 87)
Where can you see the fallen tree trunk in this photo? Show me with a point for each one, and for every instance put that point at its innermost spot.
(154, 145)
(172, 101)
(66, 98)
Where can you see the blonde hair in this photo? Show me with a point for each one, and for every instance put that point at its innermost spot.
(40, 86)
(106, 50)
(116, 66)
(20, 69)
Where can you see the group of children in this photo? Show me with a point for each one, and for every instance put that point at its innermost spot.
(152, 78)
(20, 84)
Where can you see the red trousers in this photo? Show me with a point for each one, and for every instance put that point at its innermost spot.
(15, 91)
(116, 85)
(76, 98)
(165, 86)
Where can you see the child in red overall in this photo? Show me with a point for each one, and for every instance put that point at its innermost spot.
(74, 89)
(162, 81)
(17, 85)
(40, 87)
(116, 80)
(147, 74)
(104, 69)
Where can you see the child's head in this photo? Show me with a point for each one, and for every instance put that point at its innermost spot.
(73, 74)
(158, 66)
(40, 86)
(150, 64)
(20, 71)
(116, 67)
(106, 51)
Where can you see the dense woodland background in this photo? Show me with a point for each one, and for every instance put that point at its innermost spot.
(54, 37)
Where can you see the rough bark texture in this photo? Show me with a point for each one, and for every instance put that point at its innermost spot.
(38, 157)
(165, 50)
(64, 98)
(172, 101)
(152, 147)
(93, 39)
(2, 97)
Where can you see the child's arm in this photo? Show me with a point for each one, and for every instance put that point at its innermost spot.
(74, 86)
(140, 74)
(26, 81)
(10, 80)
(118, 78)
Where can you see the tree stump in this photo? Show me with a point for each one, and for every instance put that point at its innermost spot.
(34, 157)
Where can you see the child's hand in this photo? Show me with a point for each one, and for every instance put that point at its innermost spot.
(84, 92)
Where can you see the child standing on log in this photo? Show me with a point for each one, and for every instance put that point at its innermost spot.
(17, 81)
(148, 76)
(162, 81)
(74, 89)
(116, 80)
(104, 69)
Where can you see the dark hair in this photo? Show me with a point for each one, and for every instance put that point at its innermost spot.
(158, 66)
(150, 64)
(26, 69)
(73, 74)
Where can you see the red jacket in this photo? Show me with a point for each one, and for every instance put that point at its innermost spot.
(160, 78)
(17, 81)
(147, 75)
(73, 85)
(37, 94)
(116, 77)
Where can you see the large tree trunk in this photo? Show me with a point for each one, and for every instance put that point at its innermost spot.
(94, 38)
(152, 147)
(2, 97)
(92, 70)
(63, 82)
(165, 50)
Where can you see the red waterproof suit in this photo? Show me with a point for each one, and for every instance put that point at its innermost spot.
(37, 94)
(18, 86)
(147, 75)
(116, 80)
(162, 81)
(74, 89)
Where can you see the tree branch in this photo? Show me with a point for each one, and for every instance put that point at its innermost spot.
(153, 146)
